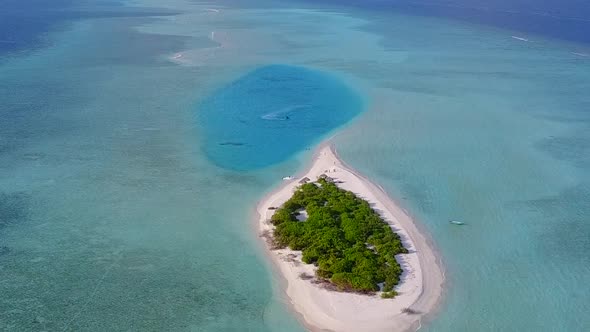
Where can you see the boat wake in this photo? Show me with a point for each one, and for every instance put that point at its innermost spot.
(520, 38)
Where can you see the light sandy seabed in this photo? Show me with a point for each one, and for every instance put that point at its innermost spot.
(421, 283)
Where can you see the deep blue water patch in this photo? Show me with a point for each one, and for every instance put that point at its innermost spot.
(271, 113)
(563, 19)
(25, 23)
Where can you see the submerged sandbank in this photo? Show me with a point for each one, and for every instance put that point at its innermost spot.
(421, 283)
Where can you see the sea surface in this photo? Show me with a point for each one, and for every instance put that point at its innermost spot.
(137, 137)
(272, 113)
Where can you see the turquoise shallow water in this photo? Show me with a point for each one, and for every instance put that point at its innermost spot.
(110, 218)
(115, 214)
(272, 113)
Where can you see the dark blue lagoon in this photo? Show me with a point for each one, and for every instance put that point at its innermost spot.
(271, 113)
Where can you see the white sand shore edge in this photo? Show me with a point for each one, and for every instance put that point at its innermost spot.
(421, 283)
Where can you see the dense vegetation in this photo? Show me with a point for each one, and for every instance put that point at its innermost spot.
(352, 246)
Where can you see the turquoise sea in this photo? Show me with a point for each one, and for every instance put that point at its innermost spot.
(136, 138)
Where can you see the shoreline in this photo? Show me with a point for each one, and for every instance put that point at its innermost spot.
(420, 287)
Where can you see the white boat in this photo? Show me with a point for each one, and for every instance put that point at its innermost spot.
(455, 222)
(288, 178)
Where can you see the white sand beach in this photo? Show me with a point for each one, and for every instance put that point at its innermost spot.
(421, 284)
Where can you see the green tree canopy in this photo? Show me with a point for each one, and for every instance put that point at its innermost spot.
(352, 246)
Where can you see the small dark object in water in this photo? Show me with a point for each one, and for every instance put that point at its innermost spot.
(232, 143)
(287, 117)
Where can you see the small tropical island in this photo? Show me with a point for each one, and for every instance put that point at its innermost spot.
(349, 258)
(352, 247)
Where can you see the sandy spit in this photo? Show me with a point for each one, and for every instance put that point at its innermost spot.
(421, 283)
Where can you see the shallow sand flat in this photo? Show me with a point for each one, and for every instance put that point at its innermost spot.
(421, 283)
